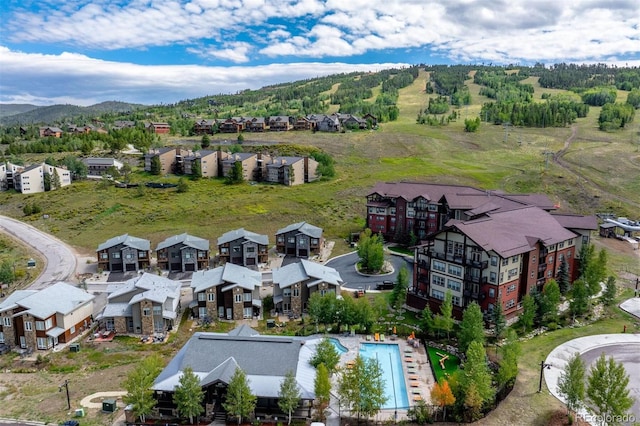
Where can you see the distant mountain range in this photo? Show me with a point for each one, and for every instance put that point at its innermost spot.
(12, 114)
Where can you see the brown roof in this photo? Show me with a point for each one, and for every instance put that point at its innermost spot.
(513, 232)
(412, 190)
(574, 221)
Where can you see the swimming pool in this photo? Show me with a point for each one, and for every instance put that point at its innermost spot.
(339, 346)
(395, 388)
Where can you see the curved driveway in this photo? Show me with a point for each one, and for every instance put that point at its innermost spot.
(346, 265)
(60, 258)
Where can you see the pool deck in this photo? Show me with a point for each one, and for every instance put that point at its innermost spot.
(415, 364)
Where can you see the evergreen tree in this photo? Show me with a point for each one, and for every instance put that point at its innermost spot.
(183, 186)
(322, 388)
(427, 323)
(7, 275)
(579, 303)
(399, 293)
(156, 166)
(206, 141)
(609, 295)
(138, 386)
(289, 394)
(498, 319)
(571, 384)
(370, 251)
(196, 169)
(471, 327)
(563, 277)
(188, 395)
(55, 180)
(607, 388)
(549, 302)
(235, 174)
(476, 375)
(240, 401)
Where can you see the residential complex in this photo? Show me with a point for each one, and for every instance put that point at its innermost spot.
(34, 178)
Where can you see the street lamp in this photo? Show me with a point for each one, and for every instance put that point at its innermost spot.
(543, 365)
(66, 386)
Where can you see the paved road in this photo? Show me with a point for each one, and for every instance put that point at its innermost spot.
(60, 258)
(346, 265)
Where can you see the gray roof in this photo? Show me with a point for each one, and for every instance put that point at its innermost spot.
(303, 271)
(242, 233)
(264, 359)
(11, 302)
(239, 156)
(302, 227)
(514, 232)
(101, 161)
(186, 240)
(234, 275)
(59, 298)
(153, 287)
(277, 162)
(127, 240)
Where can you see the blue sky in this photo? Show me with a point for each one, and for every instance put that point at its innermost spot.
(162, 51)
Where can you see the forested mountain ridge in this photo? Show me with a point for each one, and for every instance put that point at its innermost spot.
(56, 113)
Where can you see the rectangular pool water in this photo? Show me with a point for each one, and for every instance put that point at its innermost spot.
(395, 387)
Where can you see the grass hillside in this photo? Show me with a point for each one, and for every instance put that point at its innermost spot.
(593, 171)
(7, 110)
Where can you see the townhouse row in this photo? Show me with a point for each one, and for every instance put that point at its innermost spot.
(285, 170)
(487, 247)
(187, 253)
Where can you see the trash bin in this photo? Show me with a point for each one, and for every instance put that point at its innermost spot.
(74, 347)
(271, 323)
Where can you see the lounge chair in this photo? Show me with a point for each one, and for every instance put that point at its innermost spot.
(382, 337)
(376, 337)
(368, 337)
(414, 384)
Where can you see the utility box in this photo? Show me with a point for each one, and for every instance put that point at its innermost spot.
(271, 323)
(74, 347)
(79, 412)
(109, 405)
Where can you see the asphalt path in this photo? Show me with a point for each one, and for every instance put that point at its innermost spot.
(346, 266)
(60, 258)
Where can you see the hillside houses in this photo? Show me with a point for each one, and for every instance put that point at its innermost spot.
(33, 178)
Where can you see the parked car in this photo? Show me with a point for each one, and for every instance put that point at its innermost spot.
(385, 285)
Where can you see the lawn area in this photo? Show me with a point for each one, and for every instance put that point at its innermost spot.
(451, 363)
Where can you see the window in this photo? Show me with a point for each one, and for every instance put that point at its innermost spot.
(492, 277)
(292, 240)
(549, 273)
(128, 256)
(511, 288)
(505, 262)
(247, 297)
(438, 280)
(280, 239)
(157, 309)
(40, 325)
(302, 241)
(251, 249)
(224, 250)
(72, 330)
(550, 259)
(202, 254)
(561, 245)
(296, 292)
(501, 277)
(510, 304)
(146, 312)
(436, 294)
(315, 241)
(211, 297)
(512, 273)
(115, 255)
(104, 255)
(201, 297)
(1, 337)
(41, 342)
(492, 292)
(202, 312)
(28, 326)
(247, 312)
(453, 285)
(6, 321)
(142, 254)
(286, 292)
(455, 270)
(494, 260)
(439, 266)
(187, 255)
(533, 259)
(432, 207)
(515, 258)
(236, 249)
(560, 257)
(48, 324)
(238, 298)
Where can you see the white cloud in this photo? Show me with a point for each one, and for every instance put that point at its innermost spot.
(81, 80)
